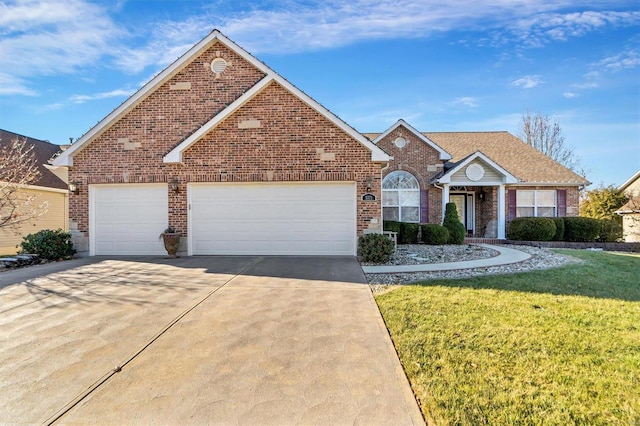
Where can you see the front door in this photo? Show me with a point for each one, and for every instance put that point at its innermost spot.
(464, 205)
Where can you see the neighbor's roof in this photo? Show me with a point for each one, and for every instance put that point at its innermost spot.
(521, 160)
(43, 151)
(629, 181)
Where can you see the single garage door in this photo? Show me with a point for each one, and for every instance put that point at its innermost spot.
(273, 218)
(127, 219)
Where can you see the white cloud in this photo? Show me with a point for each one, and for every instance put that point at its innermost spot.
(585, 85)
(538, 30)
(10, 85)
(570, 95)
(527, 82)
(80, 99)
(466, 101)
(626, 59)
(49, 37)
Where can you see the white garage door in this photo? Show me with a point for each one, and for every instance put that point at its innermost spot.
(127, 219)
(278, 219)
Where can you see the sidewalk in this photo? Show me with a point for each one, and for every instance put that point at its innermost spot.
(506, 256)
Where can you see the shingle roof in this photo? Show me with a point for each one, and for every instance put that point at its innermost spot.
(43, 151)
(521, 160)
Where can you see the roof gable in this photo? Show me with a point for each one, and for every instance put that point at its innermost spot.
(66, 158)
(527, 164)
(472, 171)
(43, 151)
(443, 154)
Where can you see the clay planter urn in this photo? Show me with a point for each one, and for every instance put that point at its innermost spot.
(171, 240)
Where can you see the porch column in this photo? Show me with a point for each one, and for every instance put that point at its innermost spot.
(445, 198)
(501, 213)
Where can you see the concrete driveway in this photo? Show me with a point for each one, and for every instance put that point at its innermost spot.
(197, 340)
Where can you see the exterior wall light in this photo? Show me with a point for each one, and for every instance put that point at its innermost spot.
(74, 187)
(369, 184)
(174, 184)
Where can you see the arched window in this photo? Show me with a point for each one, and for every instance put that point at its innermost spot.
(400, 197)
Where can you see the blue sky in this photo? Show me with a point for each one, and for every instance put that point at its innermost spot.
(461, 65)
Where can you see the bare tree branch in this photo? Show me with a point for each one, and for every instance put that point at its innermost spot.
(544, 134)
(18, 170)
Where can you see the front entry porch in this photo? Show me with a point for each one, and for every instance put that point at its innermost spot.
(477, 208)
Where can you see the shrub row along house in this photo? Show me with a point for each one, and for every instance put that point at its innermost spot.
(240, 161)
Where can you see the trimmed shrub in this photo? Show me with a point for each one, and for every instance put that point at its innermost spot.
(49, 244)
(408, 233)
(453, 225)
(559, 236)
(375, 248)
(581, 229)
(532, 229)
(391, 226)
(434, 234)
(610, 231)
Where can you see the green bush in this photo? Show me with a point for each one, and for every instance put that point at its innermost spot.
(453, 225)
(559, 236)
(49, 244)
(532, 229)
(391, 226)
(581, 229)
(408, 233)
(375, 248)
(434, 234)
(610, 231)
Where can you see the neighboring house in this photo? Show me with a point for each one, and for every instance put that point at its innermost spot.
(240, 161)
(50, 188)
(630, 212)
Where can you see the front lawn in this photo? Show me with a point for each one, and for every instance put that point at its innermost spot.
(558, 347)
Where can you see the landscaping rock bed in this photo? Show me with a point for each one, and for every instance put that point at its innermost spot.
(417, 254)
(540, 259)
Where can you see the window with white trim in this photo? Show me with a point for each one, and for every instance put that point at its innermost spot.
(401, 197)
(536, 203)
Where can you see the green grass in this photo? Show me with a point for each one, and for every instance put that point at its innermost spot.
(553, 347)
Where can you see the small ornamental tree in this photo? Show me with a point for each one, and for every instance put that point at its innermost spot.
(453, 224)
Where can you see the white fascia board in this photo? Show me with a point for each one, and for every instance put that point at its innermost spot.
(377, 154)
(444, 155)
(175, 155)
(66, 157)
(509, 178)
(629, 181)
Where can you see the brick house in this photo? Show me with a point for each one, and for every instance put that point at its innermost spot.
(492, 177)
(240, 161)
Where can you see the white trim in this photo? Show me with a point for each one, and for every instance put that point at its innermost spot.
(175, 155)
(629, 181)
(42, 188)
(444, 155)
(502, 223)
(508, 177)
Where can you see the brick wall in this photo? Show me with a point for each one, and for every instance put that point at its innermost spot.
(419, 159)
(291, 143)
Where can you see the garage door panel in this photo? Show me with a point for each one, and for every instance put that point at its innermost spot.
(273, 218)
(128, 219)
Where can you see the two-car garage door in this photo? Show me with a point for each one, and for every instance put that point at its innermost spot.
(228, 219)
(273, 218)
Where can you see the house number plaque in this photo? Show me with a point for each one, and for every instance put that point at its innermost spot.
(368, 197)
